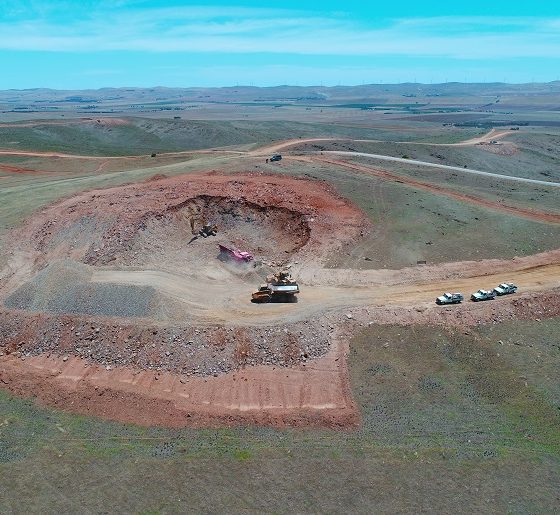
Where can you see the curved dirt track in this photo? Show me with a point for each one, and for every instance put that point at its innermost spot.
(260, 151)
(381, 157)
(277, 147)
(110, 121)
(233, 306)
(531, 214)
(281, 145)
(63, 155)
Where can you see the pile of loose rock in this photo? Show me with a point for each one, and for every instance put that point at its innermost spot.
(196, 350)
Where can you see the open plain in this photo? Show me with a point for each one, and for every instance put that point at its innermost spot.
(127, 343)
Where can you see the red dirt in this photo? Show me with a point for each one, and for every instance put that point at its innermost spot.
(301, 391)
(316, 394)
(17, 169)
(309, 392)
(334, 219)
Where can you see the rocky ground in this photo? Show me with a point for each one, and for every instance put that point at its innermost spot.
(189, 350)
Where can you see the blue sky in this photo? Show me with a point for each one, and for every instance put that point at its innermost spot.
(92, 44)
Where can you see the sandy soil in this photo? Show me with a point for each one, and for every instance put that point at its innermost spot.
(494, 134)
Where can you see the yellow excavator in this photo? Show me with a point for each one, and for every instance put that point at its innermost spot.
(199, 224)
(205, 229)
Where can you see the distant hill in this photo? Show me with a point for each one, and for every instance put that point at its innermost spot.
(374, 93)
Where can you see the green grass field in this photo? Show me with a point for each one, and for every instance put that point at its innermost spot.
(144, 136)
(451, 423)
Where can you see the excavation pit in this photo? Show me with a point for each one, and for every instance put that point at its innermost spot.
(109, 291)
(171, 241)
(134, 251)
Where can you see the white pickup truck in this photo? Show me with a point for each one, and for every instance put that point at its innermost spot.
(505, 288)
(449, 298)
(483, 295)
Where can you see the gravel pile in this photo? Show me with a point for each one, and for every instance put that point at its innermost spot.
(188, 350)
(64, 287)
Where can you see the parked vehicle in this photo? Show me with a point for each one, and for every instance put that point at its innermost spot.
(450, 298)
(483, 295)
(505, 289)
(276, 157)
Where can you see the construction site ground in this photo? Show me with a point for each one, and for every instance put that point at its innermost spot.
(113, 278)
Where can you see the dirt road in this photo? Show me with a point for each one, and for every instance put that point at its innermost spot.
(62, 155)
(206, 299)
(203, 295)
(260, 151)
(281, 145)
(531, 214)
(490, 136)
(427, 164)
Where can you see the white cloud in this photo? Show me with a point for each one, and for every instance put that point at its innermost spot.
(248, 30)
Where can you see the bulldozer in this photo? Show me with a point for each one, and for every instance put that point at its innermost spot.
(279, 287)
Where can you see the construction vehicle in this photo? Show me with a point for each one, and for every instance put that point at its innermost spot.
(505, 289)
(205, 228)
(279, 287)
(275, 157)
(450, 298)
(208, 230)
(483, 295)
(199, 225)
(240, 256)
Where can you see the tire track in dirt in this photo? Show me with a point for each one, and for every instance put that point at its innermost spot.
(281, 145)
(63, 155)
(24, 171)
(72, 121)
(428, 164)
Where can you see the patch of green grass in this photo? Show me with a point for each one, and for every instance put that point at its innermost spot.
(411, 225)
(441, 411)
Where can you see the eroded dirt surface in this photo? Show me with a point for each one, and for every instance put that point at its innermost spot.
(312, 394)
